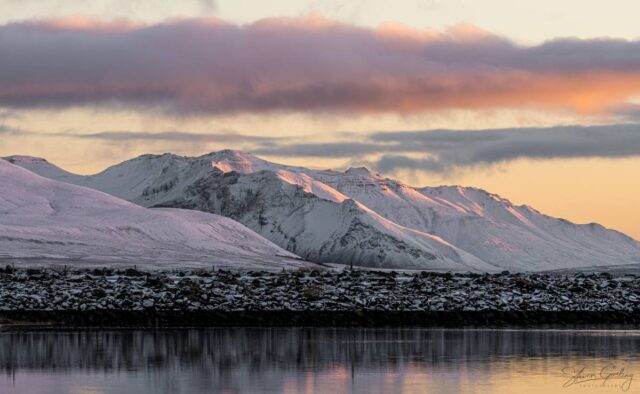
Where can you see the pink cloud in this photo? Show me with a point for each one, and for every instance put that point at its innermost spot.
(308, 64)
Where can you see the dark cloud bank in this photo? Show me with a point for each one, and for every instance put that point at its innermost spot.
(430, 150)
(443, 150)
(303, 64)
(170, 136)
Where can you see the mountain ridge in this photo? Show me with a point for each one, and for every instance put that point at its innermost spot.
(47, 221)
(459, 225)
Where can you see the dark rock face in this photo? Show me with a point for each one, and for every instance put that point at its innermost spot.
(105, 297)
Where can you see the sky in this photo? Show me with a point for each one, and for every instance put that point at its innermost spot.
(538, 101)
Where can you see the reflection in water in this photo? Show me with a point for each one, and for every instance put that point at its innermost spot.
(245, 360)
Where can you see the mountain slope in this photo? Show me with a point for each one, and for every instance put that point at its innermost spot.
(490, 227)
(44, 221)
(360, 217)
(317, 229)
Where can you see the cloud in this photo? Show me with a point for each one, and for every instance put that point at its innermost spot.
(630, 111)
(331, 150)
(6, 114)
(8, 130)
(390, 163)
(177, 136)
(135, 9)
(444, 150)
(209, 6)
(309, 64)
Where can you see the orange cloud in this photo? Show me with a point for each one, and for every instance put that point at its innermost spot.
(309, 64)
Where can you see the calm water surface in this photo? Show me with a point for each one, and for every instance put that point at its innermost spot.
(246, 360)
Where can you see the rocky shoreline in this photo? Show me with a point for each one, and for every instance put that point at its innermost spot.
(130, 297)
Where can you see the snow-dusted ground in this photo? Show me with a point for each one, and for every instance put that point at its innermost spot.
(313, 290)
(359, 217)
(44, 222)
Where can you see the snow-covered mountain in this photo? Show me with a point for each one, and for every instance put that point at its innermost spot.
(359, 217)
(47, 221)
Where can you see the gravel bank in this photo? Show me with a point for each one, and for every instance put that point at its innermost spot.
(369, 298)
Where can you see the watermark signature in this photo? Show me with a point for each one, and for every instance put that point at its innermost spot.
(607, 376)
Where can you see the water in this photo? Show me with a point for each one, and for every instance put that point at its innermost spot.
(290, 360)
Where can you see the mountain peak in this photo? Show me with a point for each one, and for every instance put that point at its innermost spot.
(38, 165)
(358, 171)
(18, 159)
(227, 153)
(228, 160)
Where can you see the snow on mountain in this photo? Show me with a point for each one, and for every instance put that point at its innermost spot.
(490, 227)
(360, 217)
(43, 168)
(318, 229)
(328, 229)
(46, 221)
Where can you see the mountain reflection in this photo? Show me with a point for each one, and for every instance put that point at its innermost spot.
(298, 359)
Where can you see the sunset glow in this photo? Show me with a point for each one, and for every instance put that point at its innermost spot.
(202, 77)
